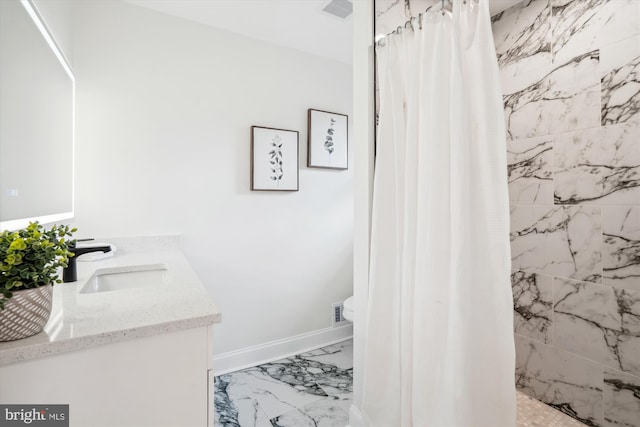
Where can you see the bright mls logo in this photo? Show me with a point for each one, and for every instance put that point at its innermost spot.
(35, 415)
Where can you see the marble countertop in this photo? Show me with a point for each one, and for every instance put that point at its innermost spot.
(82, 320)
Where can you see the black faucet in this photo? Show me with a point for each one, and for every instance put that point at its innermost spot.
(70, 272)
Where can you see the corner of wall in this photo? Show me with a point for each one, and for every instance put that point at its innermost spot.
(363, 113)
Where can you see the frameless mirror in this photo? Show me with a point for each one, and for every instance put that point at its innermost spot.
(36, 120)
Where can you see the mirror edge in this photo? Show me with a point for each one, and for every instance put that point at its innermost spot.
(15, 224)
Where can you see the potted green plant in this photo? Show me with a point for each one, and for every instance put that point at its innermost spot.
(29, 263)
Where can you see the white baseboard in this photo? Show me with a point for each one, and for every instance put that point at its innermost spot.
(355, 418)
(279, 349)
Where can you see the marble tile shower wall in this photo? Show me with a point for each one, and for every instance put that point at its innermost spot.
(571, 87)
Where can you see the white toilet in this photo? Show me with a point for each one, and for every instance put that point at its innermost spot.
(347, 309)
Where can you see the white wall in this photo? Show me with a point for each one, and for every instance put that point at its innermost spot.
(164, 110)
(57, 17)
(364, 131)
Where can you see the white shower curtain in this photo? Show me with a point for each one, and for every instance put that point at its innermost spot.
(439, 343)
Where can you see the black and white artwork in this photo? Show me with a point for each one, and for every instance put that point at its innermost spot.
(327, 140)
(274, 159)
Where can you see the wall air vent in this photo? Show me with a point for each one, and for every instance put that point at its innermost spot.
(339, 8)
(337, 318)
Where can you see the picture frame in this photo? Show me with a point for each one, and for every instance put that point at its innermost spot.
(327, 140)
(274, 159)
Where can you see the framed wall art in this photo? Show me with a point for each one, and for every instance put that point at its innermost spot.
(274, 159)
(327, 140)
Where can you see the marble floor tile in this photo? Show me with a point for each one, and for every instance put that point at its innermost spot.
(237, 405)
(621, 246)
(532, 305)
(331, 368)
(240, 411)
(598, 322)
(598, 166)
(289, 372)
(557, 241)
(345, 404)
(323, 413)
(339, 354)
(621, 399)
(530, 169)
(285, 391)
(278, 387)
(332, 380)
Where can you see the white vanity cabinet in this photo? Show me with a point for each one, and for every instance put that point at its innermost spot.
(138, 356)
(161, 380)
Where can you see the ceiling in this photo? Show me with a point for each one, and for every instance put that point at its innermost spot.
(298, 24)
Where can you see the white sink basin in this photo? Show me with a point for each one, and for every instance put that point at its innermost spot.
(123, 278)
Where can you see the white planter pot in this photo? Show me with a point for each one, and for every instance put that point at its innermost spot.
(26, 313)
